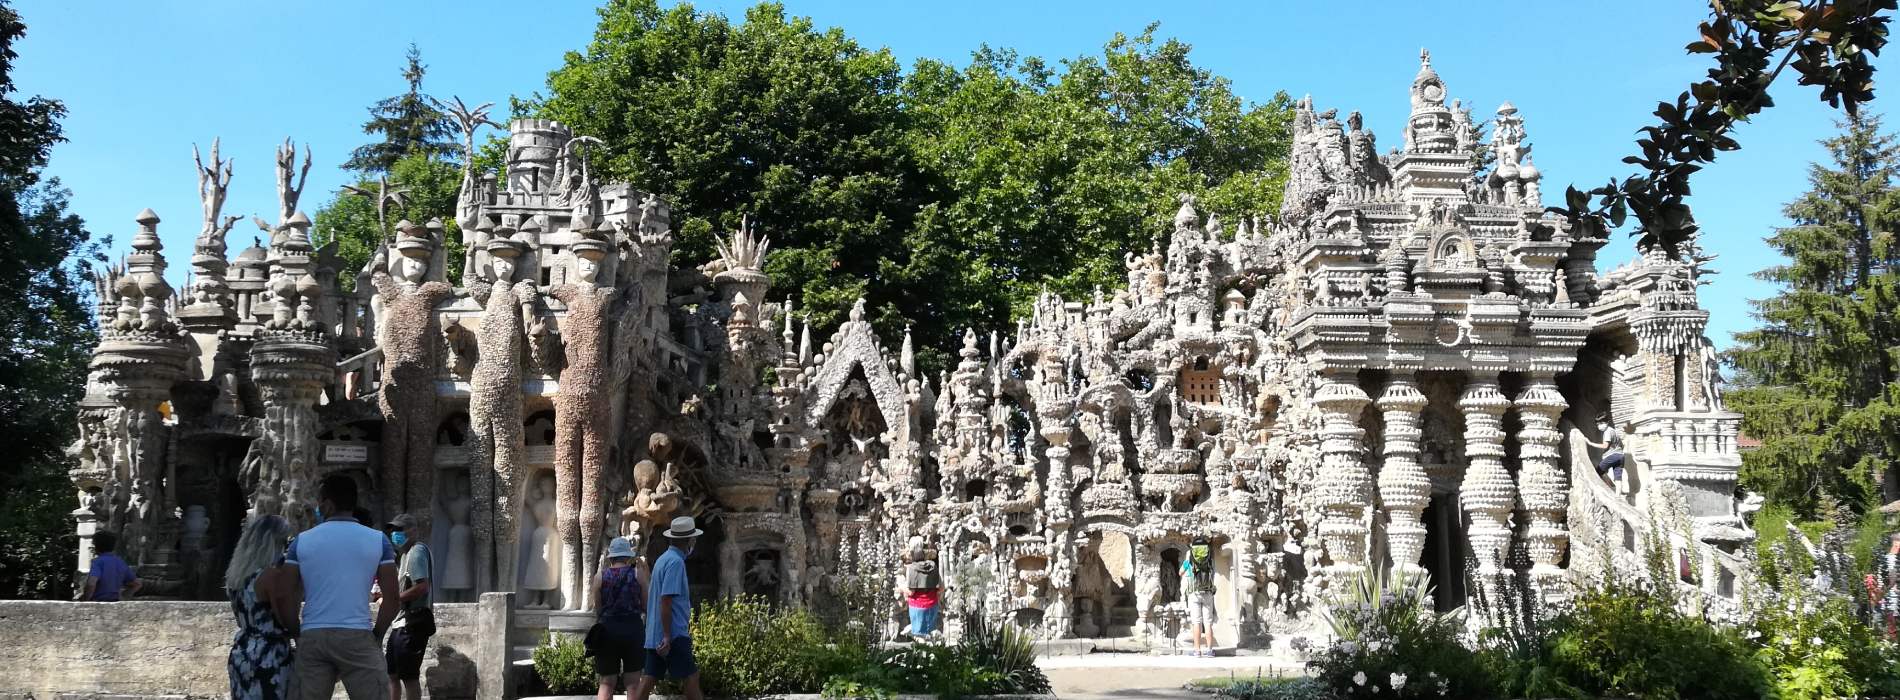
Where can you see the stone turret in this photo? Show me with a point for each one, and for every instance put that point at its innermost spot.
(1429, 129)
(534, 149)
(123, 442)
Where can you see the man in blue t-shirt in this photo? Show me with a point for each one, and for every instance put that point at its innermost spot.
(110, 577)
(335, 563)
(669, 609)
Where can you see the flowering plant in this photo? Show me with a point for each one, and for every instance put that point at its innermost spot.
(1388, 643)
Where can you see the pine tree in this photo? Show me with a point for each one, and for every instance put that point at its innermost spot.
(1817, 380)
(409, 123)
(46, 336)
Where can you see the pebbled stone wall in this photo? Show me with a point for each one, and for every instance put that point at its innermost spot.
(50, 649)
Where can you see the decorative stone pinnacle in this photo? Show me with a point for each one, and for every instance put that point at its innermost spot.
(147, 239)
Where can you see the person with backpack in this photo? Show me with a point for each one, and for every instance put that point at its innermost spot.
(1197, 576)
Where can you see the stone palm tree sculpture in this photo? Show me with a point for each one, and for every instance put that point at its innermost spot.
(384, 196)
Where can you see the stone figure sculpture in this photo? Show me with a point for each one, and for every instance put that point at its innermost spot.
(541, 570)
(495, 407)
(580, 413)
(406, 299)
(454, 569)
(656, 491)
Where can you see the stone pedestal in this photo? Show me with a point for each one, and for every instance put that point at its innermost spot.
(570, 623)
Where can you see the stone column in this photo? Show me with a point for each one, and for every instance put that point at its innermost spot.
(1542, 480)
(141, 354)
(1487, 493)
(291, 369)
(1345, 482)
(1059, 617)
(1404, 488)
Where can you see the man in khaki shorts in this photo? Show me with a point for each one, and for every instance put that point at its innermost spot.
(335, 563)
(1197, 585)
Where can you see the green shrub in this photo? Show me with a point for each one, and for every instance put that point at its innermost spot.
(563, 666)
(1005, 650)
(842, 687)
(1388, 644)
(1819, 649)
(991, 659)
(1813, 643)
(1634, 642)
(1274, 688)
(745, 648)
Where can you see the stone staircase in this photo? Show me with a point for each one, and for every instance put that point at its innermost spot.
(1613, 538)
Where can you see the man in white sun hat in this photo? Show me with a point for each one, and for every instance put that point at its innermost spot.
(669, 646)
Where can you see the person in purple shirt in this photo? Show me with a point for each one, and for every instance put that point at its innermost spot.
(110, 578)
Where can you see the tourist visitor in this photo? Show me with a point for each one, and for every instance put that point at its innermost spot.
(415, 624)
(263, 597)
(926, 588)
(617, 638)
(334, 561)
(1611, 465)
(109, 578)
(1197, 570)
(668, 644)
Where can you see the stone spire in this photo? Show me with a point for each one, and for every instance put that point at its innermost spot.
(1430, 128)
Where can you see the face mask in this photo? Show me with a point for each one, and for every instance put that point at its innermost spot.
(399, 537)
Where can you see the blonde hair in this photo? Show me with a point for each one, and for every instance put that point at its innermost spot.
(263, 541)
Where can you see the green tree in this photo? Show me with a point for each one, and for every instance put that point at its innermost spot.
(408, 123)
(1829, 43)
(47, 330)
(799, 128)
(946, 197)
(430, 185)
(1817, 383)
(1043, 180)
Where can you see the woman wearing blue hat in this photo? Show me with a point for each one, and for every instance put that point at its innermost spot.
(617, 640)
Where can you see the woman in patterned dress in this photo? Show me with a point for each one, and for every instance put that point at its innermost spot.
(262, 596)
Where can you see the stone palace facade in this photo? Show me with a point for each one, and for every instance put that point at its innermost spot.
(1402, 370)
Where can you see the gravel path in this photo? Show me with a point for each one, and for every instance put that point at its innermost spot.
(1132, 676)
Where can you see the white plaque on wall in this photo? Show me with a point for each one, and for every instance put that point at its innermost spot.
(346, 453)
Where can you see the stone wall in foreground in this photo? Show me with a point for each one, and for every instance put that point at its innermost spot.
(151, 648)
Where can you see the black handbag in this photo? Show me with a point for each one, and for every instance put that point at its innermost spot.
(595, 635)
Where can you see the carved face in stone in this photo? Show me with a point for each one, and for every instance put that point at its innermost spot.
(412, 269)
(504, 269)
(585, 269)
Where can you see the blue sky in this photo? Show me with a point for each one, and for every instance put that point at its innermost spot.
(144, 81)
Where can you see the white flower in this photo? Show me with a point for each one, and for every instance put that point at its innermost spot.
(1375, 690)
(1349, 647)
(1398, 681)
(1359, 678)
(1816, 641)
(1373, 646)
